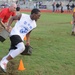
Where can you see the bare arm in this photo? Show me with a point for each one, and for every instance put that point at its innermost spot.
(28, 38)
(17, 17)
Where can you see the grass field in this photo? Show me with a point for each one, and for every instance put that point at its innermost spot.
(53, 48)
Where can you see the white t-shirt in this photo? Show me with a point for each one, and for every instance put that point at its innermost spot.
(23, 26)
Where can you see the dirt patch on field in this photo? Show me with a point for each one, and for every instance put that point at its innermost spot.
(11, 69)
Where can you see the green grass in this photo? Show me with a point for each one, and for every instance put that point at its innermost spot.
(53, 48)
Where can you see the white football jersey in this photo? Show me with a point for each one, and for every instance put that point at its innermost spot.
(23, 26)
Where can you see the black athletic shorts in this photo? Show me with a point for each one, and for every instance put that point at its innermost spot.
(15, 39)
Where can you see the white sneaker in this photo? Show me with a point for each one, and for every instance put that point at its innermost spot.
(3, 66)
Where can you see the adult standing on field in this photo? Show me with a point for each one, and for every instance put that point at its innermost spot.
(73, 24)
(23, 27)
(53, 5)
(6, 13)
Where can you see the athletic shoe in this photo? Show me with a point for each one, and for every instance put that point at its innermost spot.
(73, 34)
(3, 66)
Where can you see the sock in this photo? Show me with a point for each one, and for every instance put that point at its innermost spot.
(5, 60)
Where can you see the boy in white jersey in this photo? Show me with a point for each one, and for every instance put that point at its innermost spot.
(23, 27)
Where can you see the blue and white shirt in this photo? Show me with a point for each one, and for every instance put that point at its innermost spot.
(23, 26)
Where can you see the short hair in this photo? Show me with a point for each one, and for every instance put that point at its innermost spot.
(35, 11)
(13, 4)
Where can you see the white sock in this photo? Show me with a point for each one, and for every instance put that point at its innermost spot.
(7, 55)
(5, 60)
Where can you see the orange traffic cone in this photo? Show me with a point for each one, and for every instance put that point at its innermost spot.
(21, 66)
(71, 22)
(25, 38)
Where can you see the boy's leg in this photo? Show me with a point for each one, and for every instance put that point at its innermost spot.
(12, 54)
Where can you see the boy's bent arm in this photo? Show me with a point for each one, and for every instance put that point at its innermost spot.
(28, 38)
(17, 17)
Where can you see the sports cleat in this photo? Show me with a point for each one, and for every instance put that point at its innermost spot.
(3, 66)
(73, 34)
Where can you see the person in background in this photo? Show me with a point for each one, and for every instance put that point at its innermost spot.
(61, 5)
(72, 6)
(23, 27)
(73, 24)
(68, 7)
(53, 5)
(6, 13)
(57, 6)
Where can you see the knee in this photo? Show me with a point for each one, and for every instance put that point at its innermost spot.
(21, 46)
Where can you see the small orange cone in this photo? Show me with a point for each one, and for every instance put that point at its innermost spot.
(21, 66)
(71, 22)
(25, 38)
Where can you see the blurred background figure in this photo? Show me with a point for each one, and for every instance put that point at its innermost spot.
(68, 7)
(72, 6)
(57, 7)
(73, 25)
(61, 6)
(53, 5)
(34, 4)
